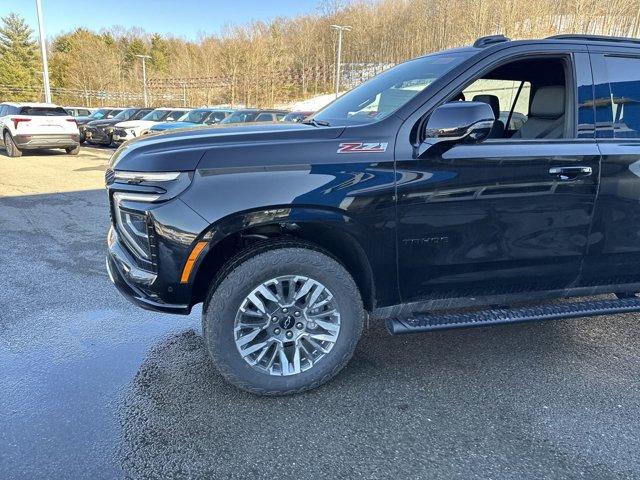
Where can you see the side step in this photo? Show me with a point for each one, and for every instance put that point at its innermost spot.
(426, 323)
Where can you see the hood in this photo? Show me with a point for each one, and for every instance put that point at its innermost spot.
(183, 149)
(102, 123)
(172, 125)
(83, 120)
(135, 123)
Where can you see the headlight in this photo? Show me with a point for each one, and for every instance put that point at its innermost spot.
(143, 189)
(133, 226)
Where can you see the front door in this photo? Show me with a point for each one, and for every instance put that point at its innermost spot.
(508, 215)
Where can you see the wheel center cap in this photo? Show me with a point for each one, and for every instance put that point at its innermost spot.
(287, 322)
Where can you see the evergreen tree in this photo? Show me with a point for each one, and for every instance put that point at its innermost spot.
(19, 62)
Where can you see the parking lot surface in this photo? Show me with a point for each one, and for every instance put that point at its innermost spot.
(93, 387)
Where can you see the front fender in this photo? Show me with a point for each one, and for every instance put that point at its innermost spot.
(353, 199)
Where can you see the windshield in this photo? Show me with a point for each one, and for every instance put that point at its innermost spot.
(98, 114)
(240, 117)
(384, 94)
(156, 115)
(125, 114)
(195, 116)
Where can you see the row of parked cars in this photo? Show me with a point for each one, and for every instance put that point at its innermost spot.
(28, 126)
(108, 126)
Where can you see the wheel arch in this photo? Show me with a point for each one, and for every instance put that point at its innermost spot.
(327, 230)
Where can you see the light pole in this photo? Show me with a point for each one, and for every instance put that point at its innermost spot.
(144, 77)
(43, 51)
(340, 29)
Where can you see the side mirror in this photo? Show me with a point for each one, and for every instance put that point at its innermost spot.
(454, 123)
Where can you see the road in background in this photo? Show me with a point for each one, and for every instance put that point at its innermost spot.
(94, 387)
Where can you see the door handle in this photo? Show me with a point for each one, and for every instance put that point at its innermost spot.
(570, 173)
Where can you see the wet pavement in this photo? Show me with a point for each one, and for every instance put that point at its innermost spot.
(93, 387)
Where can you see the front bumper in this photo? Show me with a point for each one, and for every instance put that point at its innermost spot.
(134, 283)
(98, 135)
(58, 140)
(121, 135)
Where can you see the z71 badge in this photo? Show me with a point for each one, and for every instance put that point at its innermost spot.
(361, 147)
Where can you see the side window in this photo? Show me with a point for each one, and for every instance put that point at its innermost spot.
(217, 116)
(84, 112)
(264, 117)
(503, 93)
(624, 82)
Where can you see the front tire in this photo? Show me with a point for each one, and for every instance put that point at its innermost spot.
(282, 321)
(73, 150)
(10, 146)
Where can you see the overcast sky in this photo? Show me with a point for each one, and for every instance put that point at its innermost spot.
(182, 18)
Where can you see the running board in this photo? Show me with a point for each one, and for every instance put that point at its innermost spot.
(427, 323)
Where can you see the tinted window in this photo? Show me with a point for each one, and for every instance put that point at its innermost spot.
(156, 115)
(175, 115)
(98, 114)
(84, 112)
(264, 117)
(125, 114)
(195, 116)
(240, 117)
(216, 116)
(44, 111)
(140, 114)
(624, 81)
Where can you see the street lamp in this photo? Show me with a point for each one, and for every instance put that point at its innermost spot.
(144, 77)
(340, 29)
(43, 51)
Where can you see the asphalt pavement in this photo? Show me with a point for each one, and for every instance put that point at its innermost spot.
(94, 387)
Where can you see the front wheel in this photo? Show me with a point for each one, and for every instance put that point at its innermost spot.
(283, 321)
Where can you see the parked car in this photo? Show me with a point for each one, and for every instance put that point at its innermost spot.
(246, 115)
(100, 114)
(101, 131)
(397, 201)
(197, 116)
(27, 126)
(296, 116)
(79, 111)
(124, 131)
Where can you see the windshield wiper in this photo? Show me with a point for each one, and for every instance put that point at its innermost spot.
(316, 123)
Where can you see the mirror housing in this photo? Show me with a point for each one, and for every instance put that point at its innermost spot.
(457, 123)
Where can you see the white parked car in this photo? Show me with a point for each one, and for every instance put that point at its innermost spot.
(124, 131)
(28, 126)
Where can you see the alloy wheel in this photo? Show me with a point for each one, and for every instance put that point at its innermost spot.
(287, 325)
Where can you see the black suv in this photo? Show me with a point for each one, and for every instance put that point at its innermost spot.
(100, 132)
(406, 199)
